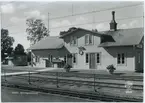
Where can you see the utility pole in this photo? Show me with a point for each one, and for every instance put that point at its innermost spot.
(48, 24)
(1, 19)
(72, 10)
(143, 18)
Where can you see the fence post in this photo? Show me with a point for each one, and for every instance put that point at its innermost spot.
(94, 83)
(5, 76)
(29, 77)
(57, 80)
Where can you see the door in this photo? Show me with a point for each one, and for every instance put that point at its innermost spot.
(69, 59)
(92, 63)
(47, 64)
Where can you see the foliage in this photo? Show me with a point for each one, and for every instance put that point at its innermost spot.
(19, 50)
(36, 30)
(10, 51)
(20, 60)
(139, 70)
(111, 69)
(94, 30)
(67, 67)
(6, 43)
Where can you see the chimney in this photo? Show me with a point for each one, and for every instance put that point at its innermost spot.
(113, 24)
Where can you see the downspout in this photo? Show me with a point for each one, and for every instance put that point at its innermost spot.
(134, 53)
(31, 59)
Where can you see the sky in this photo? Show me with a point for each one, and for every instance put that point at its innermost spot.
(14, 15)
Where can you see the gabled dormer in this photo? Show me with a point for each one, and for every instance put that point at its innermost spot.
(76, 37)
(80, 37)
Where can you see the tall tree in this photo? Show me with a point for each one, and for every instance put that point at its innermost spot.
(6, 43)
(19, 50)
(10, 51)
(36, 30)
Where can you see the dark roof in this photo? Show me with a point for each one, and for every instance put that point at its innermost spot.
(51, 42)
(124, 37)
(76, 29)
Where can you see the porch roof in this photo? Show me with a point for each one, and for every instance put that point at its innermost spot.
(51, 42)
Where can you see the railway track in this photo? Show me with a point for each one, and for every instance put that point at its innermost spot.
(37, 78)
(87, 75)
(94, 96)
(97, 76)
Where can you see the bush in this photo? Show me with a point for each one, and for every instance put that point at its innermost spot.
(111, 69)
(67, 67)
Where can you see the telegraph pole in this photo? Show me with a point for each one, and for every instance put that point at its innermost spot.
(72, 9)
(1, 19)
(48, 24)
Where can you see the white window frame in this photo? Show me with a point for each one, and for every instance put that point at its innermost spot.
(125, 59)
(72, 39)
(87, 38)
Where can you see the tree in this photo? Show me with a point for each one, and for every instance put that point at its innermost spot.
(36, 30)
(19, 50)
(10, 51)
(6, 43)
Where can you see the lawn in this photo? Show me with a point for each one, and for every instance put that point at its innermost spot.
(41, 83)
(103, 72)
(11, 69)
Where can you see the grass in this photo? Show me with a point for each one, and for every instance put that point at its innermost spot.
(89, 71)
(83, 88)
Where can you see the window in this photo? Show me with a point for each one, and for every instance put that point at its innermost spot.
(87, 58)
(139, 57)
(64, 59)
(50, 57)
(98, 58)
(73, 40)
(88, 39)
(37, 59)
(74, 57)
(121, 58)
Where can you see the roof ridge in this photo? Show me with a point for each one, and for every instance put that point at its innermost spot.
(123, 29)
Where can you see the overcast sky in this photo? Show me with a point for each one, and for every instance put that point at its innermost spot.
(14, 15)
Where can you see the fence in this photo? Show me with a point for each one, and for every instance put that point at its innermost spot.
(58, 78)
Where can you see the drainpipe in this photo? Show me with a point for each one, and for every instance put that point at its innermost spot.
(31, 59)
(134, 53)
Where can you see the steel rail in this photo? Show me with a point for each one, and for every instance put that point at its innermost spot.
(94, 96)
(81, 82)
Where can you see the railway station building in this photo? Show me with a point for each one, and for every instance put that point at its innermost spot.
(88, 49)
